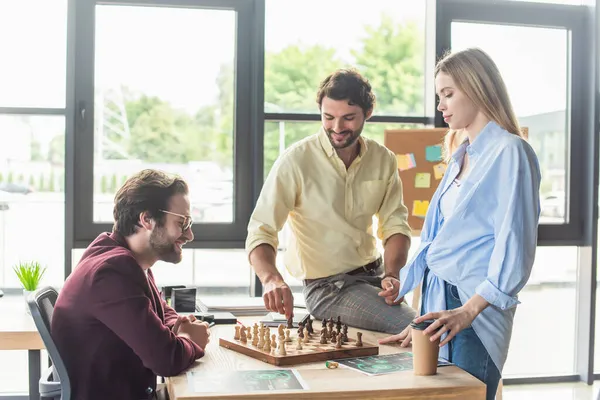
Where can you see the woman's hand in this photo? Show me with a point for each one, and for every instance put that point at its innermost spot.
(405, 336)
(452, 322)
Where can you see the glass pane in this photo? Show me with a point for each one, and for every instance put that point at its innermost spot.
(32, 195)
(165, 105)
(33, 44)
(539, 91)
(385, 41)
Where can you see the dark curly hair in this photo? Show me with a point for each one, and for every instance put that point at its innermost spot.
(347, 84)
(148, 190)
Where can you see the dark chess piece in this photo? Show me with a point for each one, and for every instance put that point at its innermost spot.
(323, 336)
(338, 324)
(290, 323)
(309, 326)
(301, 330)
(345, 333)
(333, 337)
(324, 323)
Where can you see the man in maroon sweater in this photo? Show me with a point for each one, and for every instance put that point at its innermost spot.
(112, 329)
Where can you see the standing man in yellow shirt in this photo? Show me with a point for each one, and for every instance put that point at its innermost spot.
(330, 185)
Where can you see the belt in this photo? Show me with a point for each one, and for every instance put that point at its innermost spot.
(372, 266)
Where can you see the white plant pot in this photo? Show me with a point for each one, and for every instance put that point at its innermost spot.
(25, 296)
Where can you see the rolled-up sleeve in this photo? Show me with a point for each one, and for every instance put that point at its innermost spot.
(516, 221)
(393, 214)
(277, 198)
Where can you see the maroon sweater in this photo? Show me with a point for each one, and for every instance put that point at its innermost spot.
(113, 330)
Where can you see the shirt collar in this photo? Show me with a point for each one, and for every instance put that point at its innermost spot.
(330, 151)
(481, 142)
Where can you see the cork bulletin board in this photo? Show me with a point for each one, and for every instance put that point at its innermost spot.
(419, 155)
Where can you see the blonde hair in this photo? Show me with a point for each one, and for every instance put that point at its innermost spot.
(477, 76)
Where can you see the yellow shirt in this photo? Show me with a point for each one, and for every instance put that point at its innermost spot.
(330, 208)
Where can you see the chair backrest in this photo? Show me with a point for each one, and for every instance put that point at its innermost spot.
(41, 303)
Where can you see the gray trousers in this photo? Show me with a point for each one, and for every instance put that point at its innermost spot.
(354, 298)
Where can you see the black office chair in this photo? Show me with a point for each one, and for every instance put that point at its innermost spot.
(54, 383)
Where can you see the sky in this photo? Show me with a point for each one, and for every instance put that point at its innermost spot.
(176, 53)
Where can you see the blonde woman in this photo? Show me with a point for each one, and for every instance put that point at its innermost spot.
(479, 238)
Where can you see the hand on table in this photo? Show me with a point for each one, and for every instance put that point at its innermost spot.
(195, 330)
(405, 336)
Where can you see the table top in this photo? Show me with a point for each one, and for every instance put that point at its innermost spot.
(17, 329)
(341, 383)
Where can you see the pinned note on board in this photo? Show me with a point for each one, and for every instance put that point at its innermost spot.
(439, 170)
(423, 180)
(420, 208)
(406, 161)
(433, 153)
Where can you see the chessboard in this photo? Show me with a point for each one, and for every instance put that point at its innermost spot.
(281, 347)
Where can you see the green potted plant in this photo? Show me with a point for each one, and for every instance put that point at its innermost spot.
(30, 274)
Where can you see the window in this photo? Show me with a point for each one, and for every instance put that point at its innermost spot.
(33, 47)
(541, 107)
(167, 99)
(32, 195)
(164, 106)
(385, 41)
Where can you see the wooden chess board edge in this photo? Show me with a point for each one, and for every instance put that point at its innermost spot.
(292, 359)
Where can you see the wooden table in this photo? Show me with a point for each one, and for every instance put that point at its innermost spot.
(18, 332)
(341, 383)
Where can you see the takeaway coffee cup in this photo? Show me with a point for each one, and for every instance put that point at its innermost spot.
(425, 352)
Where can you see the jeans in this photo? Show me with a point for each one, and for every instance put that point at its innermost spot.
(466, 350)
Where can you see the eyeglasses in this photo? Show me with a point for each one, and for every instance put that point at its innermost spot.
(187, 220)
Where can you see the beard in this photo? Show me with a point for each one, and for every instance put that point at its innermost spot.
(164, 248)
(350, 137)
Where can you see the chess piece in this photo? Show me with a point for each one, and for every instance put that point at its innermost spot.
(274, 342)
(280, 329)
(267, 346)
(306, 337)
(309, 326)
(345, 333)
(282, 351)
(338, 324)
(323, 336)
(255, 340)
(243, 337)
(359, 342)
(333, 337)
(299, 345)
(338, 344)
(324, 323)
(237, 333)
(290, 323)
(261, 340)
(288, 339)
(249, 334)
(301, 330)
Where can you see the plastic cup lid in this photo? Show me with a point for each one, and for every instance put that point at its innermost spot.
(421, 326)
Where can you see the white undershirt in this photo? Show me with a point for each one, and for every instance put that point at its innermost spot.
(449, 199)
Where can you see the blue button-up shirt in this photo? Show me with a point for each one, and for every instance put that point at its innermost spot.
(487, 245)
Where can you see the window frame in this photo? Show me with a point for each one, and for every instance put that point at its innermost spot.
(207, 235)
